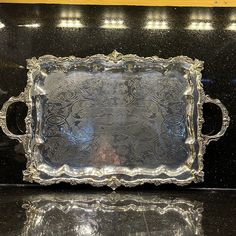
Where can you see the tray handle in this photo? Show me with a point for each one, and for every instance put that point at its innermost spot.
(225, 120)
(3, 112)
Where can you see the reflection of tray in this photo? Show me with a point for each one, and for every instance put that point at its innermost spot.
(104, 214)
(114, 120)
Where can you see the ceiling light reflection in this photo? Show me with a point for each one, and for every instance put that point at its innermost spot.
(201, 16)
(157, 24)
(233, 17)
(70, 24)
(70, 14)
(200, 20)
(232, 23)
(113, 15)
(157, 20)
(1, 25)
(232, 26)
(200, 25)
(157, 15)
(110, 23)
(35, 25)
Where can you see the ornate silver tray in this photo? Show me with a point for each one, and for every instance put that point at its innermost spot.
(114, 120)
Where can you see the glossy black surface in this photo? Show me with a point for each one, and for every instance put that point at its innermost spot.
(217, 47)
(39, 211)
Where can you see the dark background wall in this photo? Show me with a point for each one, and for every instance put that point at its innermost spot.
(217, 47)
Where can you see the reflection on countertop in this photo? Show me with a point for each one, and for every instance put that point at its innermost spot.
(104, 214)
(39, 211)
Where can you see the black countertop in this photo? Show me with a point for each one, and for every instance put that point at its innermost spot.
(44, 211)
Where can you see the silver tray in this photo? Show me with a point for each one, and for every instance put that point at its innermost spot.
(114, 120)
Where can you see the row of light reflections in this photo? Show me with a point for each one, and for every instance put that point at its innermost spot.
(154, 21)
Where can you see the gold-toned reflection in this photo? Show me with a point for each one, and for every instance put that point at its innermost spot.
(200, 20)
(105, 214)
(70, 19)
(157, 20)
(113, 20)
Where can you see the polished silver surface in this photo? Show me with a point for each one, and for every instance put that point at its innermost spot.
(114, 120)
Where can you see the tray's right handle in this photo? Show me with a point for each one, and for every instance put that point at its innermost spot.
(3, 112)
(225, 120)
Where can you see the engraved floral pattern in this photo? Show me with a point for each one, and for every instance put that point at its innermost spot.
(115, 119)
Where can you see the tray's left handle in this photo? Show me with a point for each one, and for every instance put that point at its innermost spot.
(225, 120)
(3, 112)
